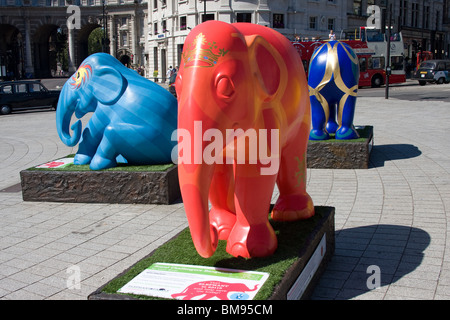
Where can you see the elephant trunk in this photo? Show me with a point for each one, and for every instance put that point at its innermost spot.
(64, 111)
(195, 181)
(195, 176)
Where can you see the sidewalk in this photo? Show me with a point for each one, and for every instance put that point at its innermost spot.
(394, 215)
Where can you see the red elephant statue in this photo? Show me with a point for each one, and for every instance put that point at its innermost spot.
(243, 125)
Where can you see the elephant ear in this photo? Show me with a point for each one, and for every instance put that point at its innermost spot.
(108, 85)
(268, 66)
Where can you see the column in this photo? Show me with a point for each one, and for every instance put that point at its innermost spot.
(112, 35)
(71, 57)
(134, 39)
(29, 68)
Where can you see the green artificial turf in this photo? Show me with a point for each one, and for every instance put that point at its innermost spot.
(120, 167)
(291, 236)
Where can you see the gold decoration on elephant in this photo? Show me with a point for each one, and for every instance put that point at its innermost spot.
(333, 68)
(200, 50)
(301, 173)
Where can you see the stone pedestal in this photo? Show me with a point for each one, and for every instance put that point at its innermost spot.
(155, 187)
(344, 154)
(297, 283)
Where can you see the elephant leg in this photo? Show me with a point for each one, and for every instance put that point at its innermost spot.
(252, 234)
(106, 154)
(346, 114)
(332, 125)
(293, 203)
(319, 120)
(221, 195)
(87, 147)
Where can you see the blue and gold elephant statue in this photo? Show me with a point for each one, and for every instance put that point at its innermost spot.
(133, 118)
(333, 84)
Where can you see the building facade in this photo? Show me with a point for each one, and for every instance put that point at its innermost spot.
(171, 20)
(43, 38)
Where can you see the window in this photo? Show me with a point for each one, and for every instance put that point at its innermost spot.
(124, 21)
(415, 14)
(362, 64)
(155, 4)
(207, 17)
(357, 7)
(124, 39)
(6, 89)
(155, 28)
(331, 24)
(377, 63)
(155, 58)
(243, 17)
(35, 87)
(21, 88)
(426, 17)
(278, 20)
(374, 36)
(403, 11)
(313, 23)
(397, 63)
(183, 23)
(164, 25)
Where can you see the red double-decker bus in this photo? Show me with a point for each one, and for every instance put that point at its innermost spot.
(370, 71)
(370, 45)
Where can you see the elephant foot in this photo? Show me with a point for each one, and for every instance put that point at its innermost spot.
(346, 133)
(318, 135)
(223, 221)
(252, 241)
(293, 207)
(99, 163)
(332, 127)
(81, 159)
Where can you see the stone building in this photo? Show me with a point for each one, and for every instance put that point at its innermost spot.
(37, 41)
(171, 20)
(424, 23)
(42, 38)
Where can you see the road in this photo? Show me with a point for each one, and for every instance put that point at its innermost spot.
(410, 91)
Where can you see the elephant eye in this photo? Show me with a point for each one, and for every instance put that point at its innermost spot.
(225, 87)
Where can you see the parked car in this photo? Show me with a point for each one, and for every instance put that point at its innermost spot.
(434, 71)
(26, 94)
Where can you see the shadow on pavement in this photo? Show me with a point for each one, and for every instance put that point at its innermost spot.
(393, 250)
(382, 153)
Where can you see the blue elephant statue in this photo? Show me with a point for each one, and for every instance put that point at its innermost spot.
(133, 118)
(333, 81)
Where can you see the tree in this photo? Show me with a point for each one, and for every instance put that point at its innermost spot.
(95, 41)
